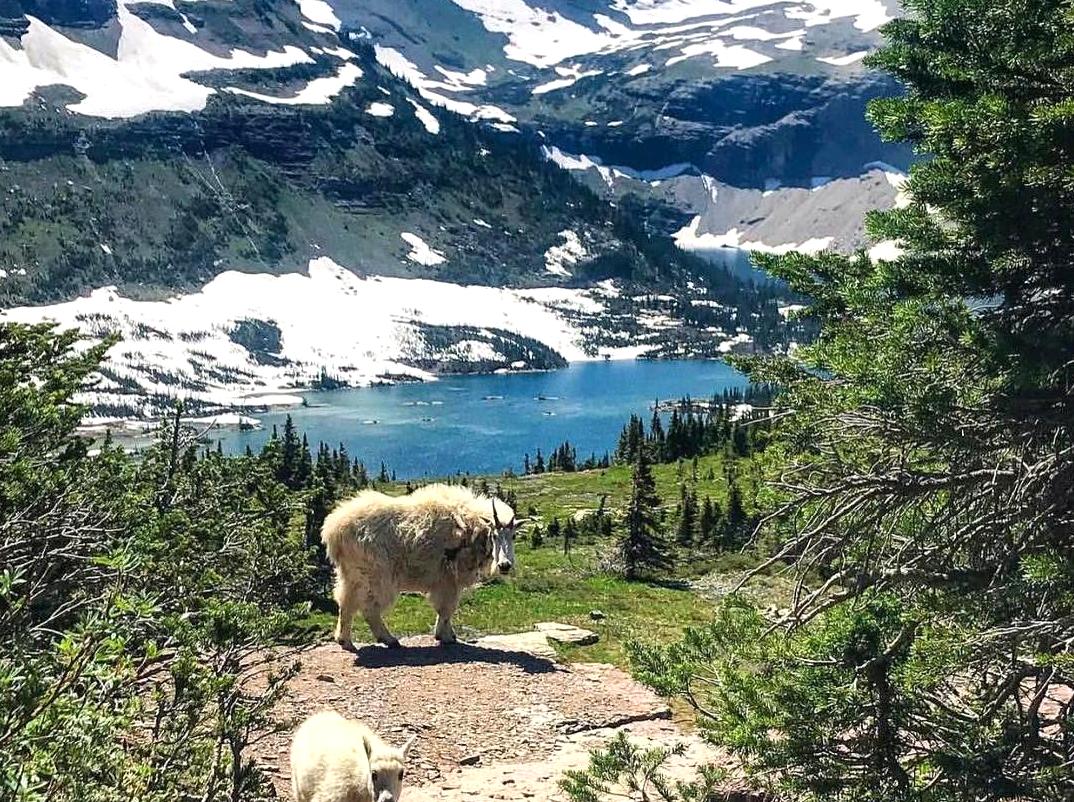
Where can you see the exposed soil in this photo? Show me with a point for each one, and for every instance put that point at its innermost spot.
(492, 722)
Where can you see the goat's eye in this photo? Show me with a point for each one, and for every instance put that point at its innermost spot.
(400, 775)
(376, 776)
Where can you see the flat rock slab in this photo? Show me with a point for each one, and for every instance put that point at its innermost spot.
(489, 705)
(535, 643)
(565, 633)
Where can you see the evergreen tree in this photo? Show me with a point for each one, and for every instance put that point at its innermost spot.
(631, 441)
(709, 525)
(304, 474)
(656, 435)
(687, 526)
(736, 523)
(554, 528)
(290, 455)
(570, 534)
(360, 474)
(132, 592)
(924, 460)
(642, 547)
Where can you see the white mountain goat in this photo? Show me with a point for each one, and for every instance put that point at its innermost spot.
(438, 540)
(334, 759)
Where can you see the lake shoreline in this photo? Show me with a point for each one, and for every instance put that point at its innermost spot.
(245, 409)
(485, 424)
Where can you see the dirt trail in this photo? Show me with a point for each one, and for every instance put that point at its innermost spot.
(493, 721)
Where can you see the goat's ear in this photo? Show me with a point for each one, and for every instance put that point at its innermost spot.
(409, 743)
(462, 528)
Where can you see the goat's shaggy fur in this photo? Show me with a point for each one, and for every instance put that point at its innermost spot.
(438, 540)
(334, 759)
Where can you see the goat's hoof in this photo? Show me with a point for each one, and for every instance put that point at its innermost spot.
(346, 645)
(392, 643)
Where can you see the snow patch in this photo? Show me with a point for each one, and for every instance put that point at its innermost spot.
(608, 174)
(795, 43)
(558, 257)
(886, 251)
(317, 92)
(464, 80)
(402, 67)
(898, 180)
(844, 61)
(146, 75)
(569, 76)
(542, 36)
(420, 252)
(689, 238)
(320, 12)
(354, 328)
(735, 57)
(425, 117)
(537, 36)
(868, 14)
(378, 109)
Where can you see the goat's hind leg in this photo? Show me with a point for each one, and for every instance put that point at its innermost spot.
(374, 618)
(375, 604)
(348, 598)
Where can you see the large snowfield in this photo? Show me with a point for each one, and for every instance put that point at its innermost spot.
(355, 329)
(147, 73)
(677, 29)
(150, 70)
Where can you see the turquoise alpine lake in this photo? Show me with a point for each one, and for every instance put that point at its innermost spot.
(487, 423)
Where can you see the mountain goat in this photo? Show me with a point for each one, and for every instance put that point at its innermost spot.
(438, 540)
(334, 759)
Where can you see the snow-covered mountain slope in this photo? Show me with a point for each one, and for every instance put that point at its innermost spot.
(723, 221)
(244, 338)
(128, 58)
(265, 195)
(247, 341)
(750, 94)
(659, 34)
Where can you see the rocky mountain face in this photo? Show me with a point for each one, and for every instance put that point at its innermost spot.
(382, 190)
(741, 94)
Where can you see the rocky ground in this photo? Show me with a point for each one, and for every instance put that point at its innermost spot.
(497, 719)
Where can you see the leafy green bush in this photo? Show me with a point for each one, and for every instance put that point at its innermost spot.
(139, 599)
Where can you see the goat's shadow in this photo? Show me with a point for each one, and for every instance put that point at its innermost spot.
(376, 656)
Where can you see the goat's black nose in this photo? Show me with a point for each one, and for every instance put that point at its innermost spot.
(505, 567)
